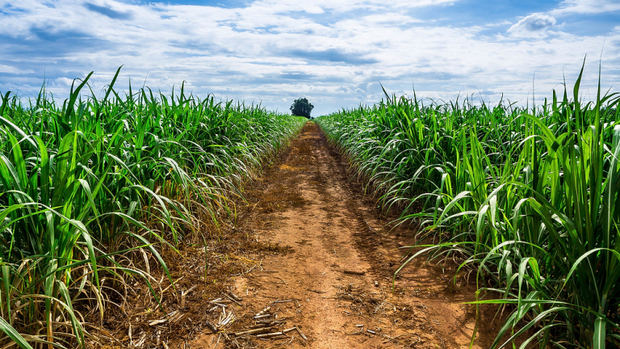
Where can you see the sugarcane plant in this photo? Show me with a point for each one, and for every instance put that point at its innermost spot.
(526, 197)
(86, 184)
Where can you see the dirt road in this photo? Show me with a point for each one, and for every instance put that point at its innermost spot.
(331, 273)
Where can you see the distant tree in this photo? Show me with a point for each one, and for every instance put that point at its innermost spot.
(302, 107)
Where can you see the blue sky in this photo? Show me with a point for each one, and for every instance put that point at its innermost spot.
(336, 53)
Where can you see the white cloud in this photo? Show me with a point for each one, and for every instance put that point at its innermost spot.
(586, 7)
(535, 24)
(390, 19)
(9, 69)
(271, 52)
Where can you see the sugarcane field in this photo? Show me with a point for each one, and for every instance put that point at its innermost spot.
(275, 174)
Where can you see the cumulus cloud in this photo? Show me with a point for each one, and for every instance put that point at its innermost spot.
(532, 25)
(271, 51)
(586, 7)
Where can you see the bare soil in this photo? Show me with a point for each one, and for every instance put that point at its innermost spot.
(332, 277)
(309, 262)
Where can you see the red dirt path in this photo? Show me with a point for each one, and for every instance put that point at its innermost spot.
(332, 274)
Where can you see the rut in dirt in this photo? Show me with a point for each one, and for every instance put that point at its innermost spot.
(330, 277)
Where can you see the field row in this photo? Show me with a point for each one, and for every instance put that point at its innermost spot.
(90, 186)
(526, 198)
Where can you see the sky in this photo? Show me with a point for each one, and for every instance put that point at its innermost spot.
(338, 54)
